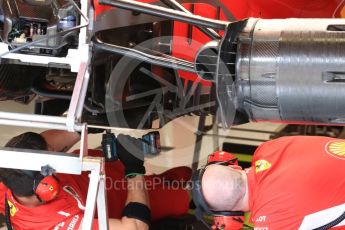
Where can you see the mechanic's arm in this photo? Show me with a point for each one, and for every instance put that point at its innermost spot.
(63, 141)
(60, 141)
(136, 195)
(137, 213)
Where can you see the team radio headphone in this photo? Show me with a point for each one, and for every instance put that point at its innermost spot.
(46, 185)
(202, 208)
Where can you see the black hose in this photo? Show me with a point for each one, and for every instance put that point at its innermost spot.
(51, 94)
(333, 223)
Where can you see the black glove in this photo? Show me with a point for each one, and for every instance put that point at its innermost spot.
(131, 155)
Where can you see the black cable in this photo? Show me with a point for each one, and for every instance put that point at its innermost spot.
(7, 215)
(39, 92)
(333, 223)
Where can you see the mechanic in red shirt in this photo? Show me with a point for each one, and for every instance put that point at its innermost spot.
(293, 183)
(131, 196)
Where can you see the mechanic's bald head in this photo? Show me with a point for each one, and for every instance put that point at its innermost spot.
(225, 188)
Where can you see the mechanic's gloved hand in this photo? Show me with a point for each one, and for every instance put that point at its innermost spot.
(131, 155)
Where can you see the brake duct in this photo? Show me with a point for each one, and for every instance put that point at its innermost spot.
(285, 70)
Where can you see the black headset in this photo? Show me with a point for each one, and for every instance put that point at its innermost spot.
(45, 187)
(202, 208)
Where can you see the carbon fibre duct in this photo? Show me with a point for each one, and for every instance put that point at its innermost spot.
(285, 70)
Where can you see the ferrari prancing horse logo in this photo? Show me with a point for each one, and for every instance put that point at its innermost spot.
(13, 209)
(262, 165)
(336, 149)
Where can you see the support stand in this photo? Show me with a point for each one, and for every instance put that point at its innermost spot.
(198, 142)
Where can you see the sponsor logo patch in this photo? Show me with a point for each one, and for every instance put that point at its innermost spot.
(262, 165)
(336, 149)
(13, 209)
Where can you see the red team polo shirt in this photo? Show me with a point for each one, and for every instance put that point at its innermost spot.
(297, 183)
(67, 211)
